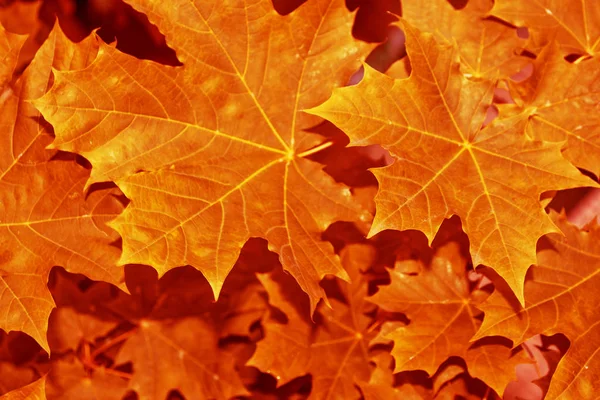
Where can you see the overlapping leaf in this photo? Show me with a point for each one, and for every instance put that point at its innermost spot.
(211, 153)
(562, 102)
(72, 328)
(180, 354)
(450, 382)
(69, 380)
(573, 24)
(10, 46)
(559, 298)
(441, 307)
(176, 344)
(14, 377)
(487, 48)
(216, 151)
(33, 391)
(166, 336)
(335, 349)
(46, 219)
(446, 164)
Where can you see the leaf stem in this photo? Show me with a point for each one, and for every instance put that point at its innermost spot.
(315, 149)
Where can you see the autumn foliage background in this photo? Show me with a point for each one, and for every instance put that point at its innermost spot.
(388, 201)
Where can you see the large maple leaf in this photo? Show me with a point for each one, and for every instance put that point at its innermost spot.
(562, 102)
(559, 298)
(446, 164)
(45, 217)
(211, 153)
(488, 48)
(573, 24)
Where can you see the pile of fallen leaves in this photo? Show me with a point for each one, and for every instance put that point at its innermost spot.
(277, 199)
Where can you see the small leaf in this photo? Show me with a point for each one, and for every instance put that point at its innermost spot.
(559, 298)
(33, 391)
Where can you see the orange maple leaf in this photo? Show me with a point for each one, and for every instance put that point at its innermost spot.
(170, 330)
(451, 382)
(45, 217)
(212, 153)
(334, 350)
(182, 354)
(441, 307)
(562, 102)
(10, 47)
(68, 329)
(446, 164)
(69, 380)
(559, 298)
(34, 391)
(574, 24)
(487, 48)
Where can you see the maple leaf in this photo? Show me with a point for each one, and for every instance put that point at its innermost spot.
(211, 153)
(34, 391)
(69, 380)
(558, 299)
(441, 307)
(335, 349)
(562, 101)
(180, 354)
(176, 345)
(575, 25)
(487, 48)
(69, 328)
(19, 17)
(445, 164)
(14, 376)
(450, 382)
(10, 46)
(175, 340)
(381, 385)
(45, 217)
